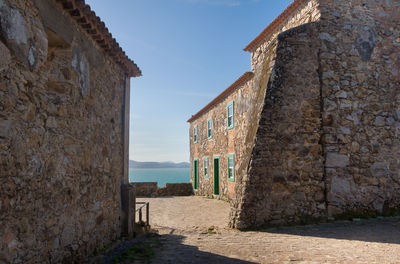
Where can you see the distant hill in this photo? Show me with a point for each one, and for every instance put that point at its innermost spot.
(157, 165)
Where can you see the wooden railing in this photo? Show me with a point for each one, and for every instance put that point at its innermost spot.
(139, 207)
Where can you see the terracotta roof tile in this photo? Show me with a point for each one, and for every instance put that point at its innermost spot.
(92, 24)
(243, 79)
(274, 24)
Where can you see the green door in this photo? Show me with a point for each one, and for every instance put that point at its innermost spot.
(216, 176)
(196, 174)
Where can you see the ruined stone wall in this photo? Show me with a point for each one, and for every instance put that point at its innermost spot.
(360, 61)
(145, 189)
(224, 141)
(61, 104)
(150, 189)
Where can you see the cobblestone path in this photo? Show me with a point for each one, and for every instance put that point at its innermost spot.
(363, 241)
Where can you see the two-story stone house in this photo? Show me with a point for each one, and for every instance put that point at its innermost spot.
(215, 131)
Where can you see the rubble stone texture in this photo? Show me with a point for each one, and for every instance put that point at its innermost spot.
(321, 139)
(61, 137)
(150, 189)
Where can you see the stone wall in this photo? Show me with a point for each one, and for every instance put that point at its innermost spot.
(360, 64)
(285, 177)
(150, 189)
(61, 156)
(145, 189)
(175, 189)
(327, 139)
(263, 59)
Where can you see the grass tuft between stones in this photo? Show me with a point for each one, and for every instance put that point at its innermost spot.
(142, 252)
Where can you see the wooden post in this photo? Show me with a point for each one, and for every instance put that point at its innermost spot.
(147, 214)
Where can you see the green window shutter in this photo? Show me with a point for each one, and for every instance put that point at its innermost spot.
(231, 167)
(230, 110)
(196, 174)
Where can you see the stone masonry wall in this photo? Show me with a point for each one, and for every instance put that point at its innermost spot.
(308, 12)
(285, 176)
(150, 189)
(327, 143)
(224, 141)
(263, 62)
(360, 61)
(61, 104)
(145, 189)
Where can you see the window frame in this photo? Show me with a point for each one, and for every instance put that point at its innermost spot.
(231, 155)
(209, 128)
(195, 134)
(206, 174)
(230, 104)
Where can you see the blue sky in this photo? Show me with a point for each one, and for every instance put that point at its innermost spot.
(189, 51)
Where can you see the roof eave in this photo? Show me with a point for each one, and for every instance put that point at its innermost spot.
(87, 19)
(273, 25)
(239, 82)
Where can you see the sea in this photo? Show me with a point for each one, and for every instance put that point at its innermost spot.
(161, 176)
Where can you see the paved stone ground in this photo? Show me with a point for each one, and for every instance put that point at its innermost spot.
(181, 222)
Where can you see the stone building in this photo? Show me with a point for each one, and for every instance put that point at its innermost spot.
(214, 139)
(64, 113)
(316, 124)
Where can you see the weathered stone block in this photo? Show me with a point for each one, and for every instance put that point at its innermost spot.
(366, 42)
(339, 186)
(81, 65)
(15, 32)
(336, 160)
(380, 121)
(5, 57)
(13, 24)
(4, 127)
(379, 169)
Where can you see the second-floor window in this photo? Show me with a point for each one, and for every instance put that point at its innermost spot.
(230, 113)
(209, 128)
(195, 136)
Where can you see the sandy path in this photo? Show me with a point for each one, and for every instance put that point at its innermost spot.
(187, 212)
(182, 222)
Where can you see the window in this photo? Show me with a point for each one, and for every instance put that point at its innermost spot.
(209, 128)
(231, 167)
(205, 167)
(230, 113)
(195, 134)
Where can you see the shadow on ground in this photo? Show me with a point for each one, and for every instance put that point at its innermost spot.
(174, 251)
(386, 230)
